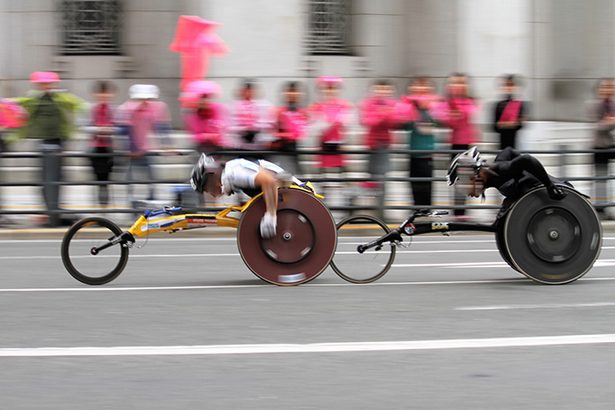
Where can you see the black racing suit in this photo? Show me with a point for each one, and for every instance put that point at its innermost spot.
(514, 174)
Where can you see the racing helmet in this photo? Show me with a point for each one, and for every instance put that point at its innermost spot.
(205, 167)
(464, 167)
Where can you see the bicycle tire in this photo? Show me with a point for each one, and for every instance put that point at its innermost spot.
(342, 264)
(69, 259)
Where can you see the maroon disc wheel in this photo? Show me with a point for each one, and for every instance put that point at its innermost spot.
(304, 243)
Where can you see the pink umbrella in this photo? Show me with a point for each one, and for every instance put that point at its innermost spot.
(196, 42)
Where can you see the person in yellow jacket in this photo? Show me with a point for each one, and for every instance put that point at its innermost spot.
(51, 119)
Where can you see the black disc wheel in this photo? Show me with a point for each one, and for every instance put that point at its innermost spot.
(302, 247)
(550, 241)
(370, 265)
(82, 256)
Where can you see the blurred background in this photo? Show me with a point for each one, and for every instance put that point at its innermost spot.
(557, 51)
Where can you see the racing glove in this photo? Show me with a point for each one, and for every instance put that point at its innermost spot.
(556, 192)
(268, 225)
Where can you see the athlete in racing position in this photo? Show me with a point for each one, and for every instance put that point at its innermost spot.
(242, 175)
(511, 173)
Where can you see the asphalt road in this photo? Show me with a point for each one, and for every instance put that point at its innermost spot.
(187, 326)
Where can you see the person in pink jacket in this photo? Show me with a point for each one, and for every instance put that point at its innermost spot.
(251, 119)
(290, 126)
(457, 112)
(378, 113)
(141, 118)
(330, 117)
(207, 120)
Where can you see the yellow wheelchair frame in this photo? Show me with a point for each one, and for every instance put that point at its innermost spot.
(148, 224)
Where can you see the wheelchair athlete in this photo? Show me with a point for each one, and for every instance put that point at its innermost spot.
(511, 173)
(241, 175)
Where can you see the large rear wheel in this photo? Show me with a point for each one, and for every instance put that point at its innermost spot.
(302, 247)
(553, 242)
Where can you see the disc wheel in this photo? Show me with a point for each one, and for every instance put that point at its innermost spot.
(553, 242)
(302, 247)
(79, 259)
(370, 265)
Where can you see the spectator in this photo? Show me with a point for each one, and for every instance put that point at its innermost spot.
(207, 120)
(603, 113)
(420, 125)
(101, 127)
(12, 116)
(290, 127)
(378, 113)
(509, 113)
(251, 119)
(330, 116)
(51, 120)
(141, 117)
(457, 112)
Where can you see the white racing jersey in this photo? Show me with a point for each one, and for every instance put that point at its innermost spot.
(239, 175)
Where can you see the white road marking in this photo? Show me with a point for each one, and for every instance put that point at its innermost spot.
(309, 285)
(452, 265)
(425, 251)
(135, 255)
(539, 306)
(478, 265)
(342, 347)
(415, 240)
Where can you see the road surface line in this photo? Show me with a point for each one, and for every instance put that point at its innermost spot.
(478, 265)
(310, 285)
(538, 306)
(251, 349)
(415, 240)
(495, 264)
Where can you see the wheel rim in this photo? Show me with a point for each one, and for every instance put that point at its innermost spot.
(294, 240)
(554, 235)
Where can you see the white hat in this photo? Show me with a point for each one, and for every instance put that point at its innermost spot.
(143, 91)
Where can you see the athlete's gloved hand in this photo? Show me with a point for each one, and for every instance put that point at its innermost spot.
(268, 225)
(556, 192)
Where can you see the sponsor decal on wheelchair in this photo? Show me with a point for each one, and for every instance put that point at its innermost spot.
(439, 226)
(201, 221)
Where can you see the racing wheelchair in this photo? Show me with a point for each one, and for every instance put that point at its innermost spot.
(549, 241)
(95, 250)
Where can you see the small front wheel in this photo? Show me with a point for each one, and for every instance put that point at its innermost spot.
(83, 257)
(370, 265)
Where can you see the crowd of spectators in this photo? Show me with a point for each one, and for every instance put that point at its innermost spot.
(143, 123)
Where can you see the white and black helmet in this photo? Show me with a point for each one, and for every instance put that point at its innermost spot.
(205, 166)
(464, 166)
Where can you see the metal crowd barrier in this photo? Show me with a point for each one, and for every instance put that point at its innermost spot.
(302, 153)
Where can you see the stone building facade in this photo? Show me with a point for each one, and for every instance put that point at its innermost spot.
(559, 47)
